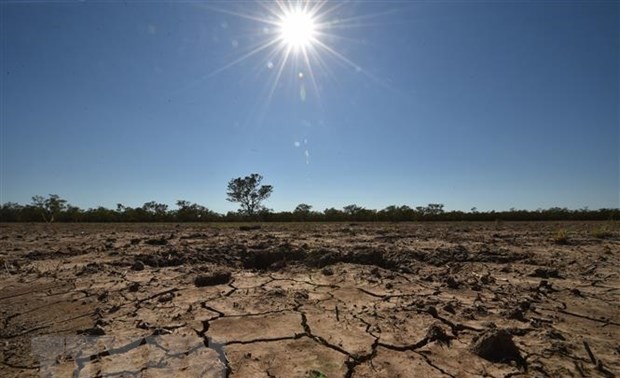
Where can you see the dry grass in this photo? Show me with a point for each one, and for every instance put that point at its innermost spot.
(602, 232)
(561, 237)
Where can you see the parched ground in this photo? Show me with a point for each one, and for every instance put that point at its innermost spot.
(310, 300)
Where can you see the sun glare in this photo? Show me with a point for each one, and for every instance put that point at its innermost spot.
(293, 39)
(297, 29)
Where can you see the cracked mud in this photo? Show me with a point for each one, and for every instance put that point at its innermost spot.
(309, 300)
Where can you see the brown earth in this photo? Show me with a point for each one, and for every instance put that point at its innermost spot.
(310, 300)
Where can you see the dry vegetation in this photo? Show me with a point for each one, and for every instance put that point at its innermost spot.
(310, 300)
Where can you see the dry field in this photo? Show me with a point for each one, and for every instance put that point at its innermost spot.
(310, 300)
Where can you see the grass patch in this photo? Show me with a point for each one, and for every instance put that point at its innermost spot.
(602, 232)
(316, 374)
(561, 237)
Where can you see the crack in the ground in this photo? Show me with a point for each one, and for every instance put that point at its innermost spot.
(604, 321)
(331, 286)
(431, 364)
(33, 292)
(208, 343)
(358, 360)
(25, 332)
(265, 340)
(12, 316)
(81, 361)
(17, 366)
(403, 348)
(212, 309)
(319, 339)
(169, 291)
(260, 313)
(233, 287)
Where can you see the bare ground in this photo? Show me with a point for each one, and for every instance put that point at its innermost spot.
(310, 300)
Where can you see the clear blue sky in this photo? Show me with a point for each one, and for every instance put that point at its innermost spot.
(467, 103)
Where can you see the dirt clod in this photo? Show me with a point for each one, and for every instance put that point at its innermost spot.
(545, 273)
(436, 332)
(215, 278)
(166, 297)
(249, 228)
(496, 345)
(160, 241)
(96, 330)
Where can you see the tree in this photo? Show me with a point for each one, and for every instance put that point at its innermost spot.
(10, 212)
(49, 207)
(302, 208)
(155, 211)
(333, 214)
(302, 211)
(193, 212)
(435, 208)
(352, 209)
(248, 192)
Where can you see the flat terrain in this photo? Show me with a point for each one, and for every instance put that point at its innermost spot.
(310, 300)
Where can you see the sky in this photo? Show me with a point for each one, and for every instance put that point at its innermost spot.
(482, 104)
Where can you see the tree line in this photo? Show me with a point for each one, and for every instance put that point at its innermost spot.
(55, 209)
(250, 194)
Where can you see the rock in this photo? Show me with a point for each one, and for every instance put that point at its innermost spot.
(327, 271)
(375, 272)
(301, 295)
(278, 265)
(545, 273)
(327, 258)
(215, 278)
(137, 265)
(405, 269)
(436, 333)
(249, 228)
(555, 335)
(449, 307)
(97, 330)
(452, 283)
(166, 297)
(133, 287)
(496, 345)
(160, 241)
(517, 314)
(433, 311)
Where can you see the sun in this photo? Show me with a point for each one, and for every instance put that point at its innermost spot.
(298, 41)
(297, 29)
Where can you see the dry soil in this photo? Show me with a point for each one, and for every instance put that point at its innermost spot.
(310, 300)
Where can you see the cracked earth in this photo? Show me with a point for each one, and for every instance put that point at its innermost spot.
(309, 300)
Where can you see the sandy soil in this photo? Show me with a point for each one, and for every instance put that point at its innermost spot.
(309, 300)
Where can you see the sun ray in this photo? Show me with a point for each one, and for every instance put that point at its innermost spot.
(238, 14)
(300, 35)
(310, 70)
(280, 69)
(243, 57)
